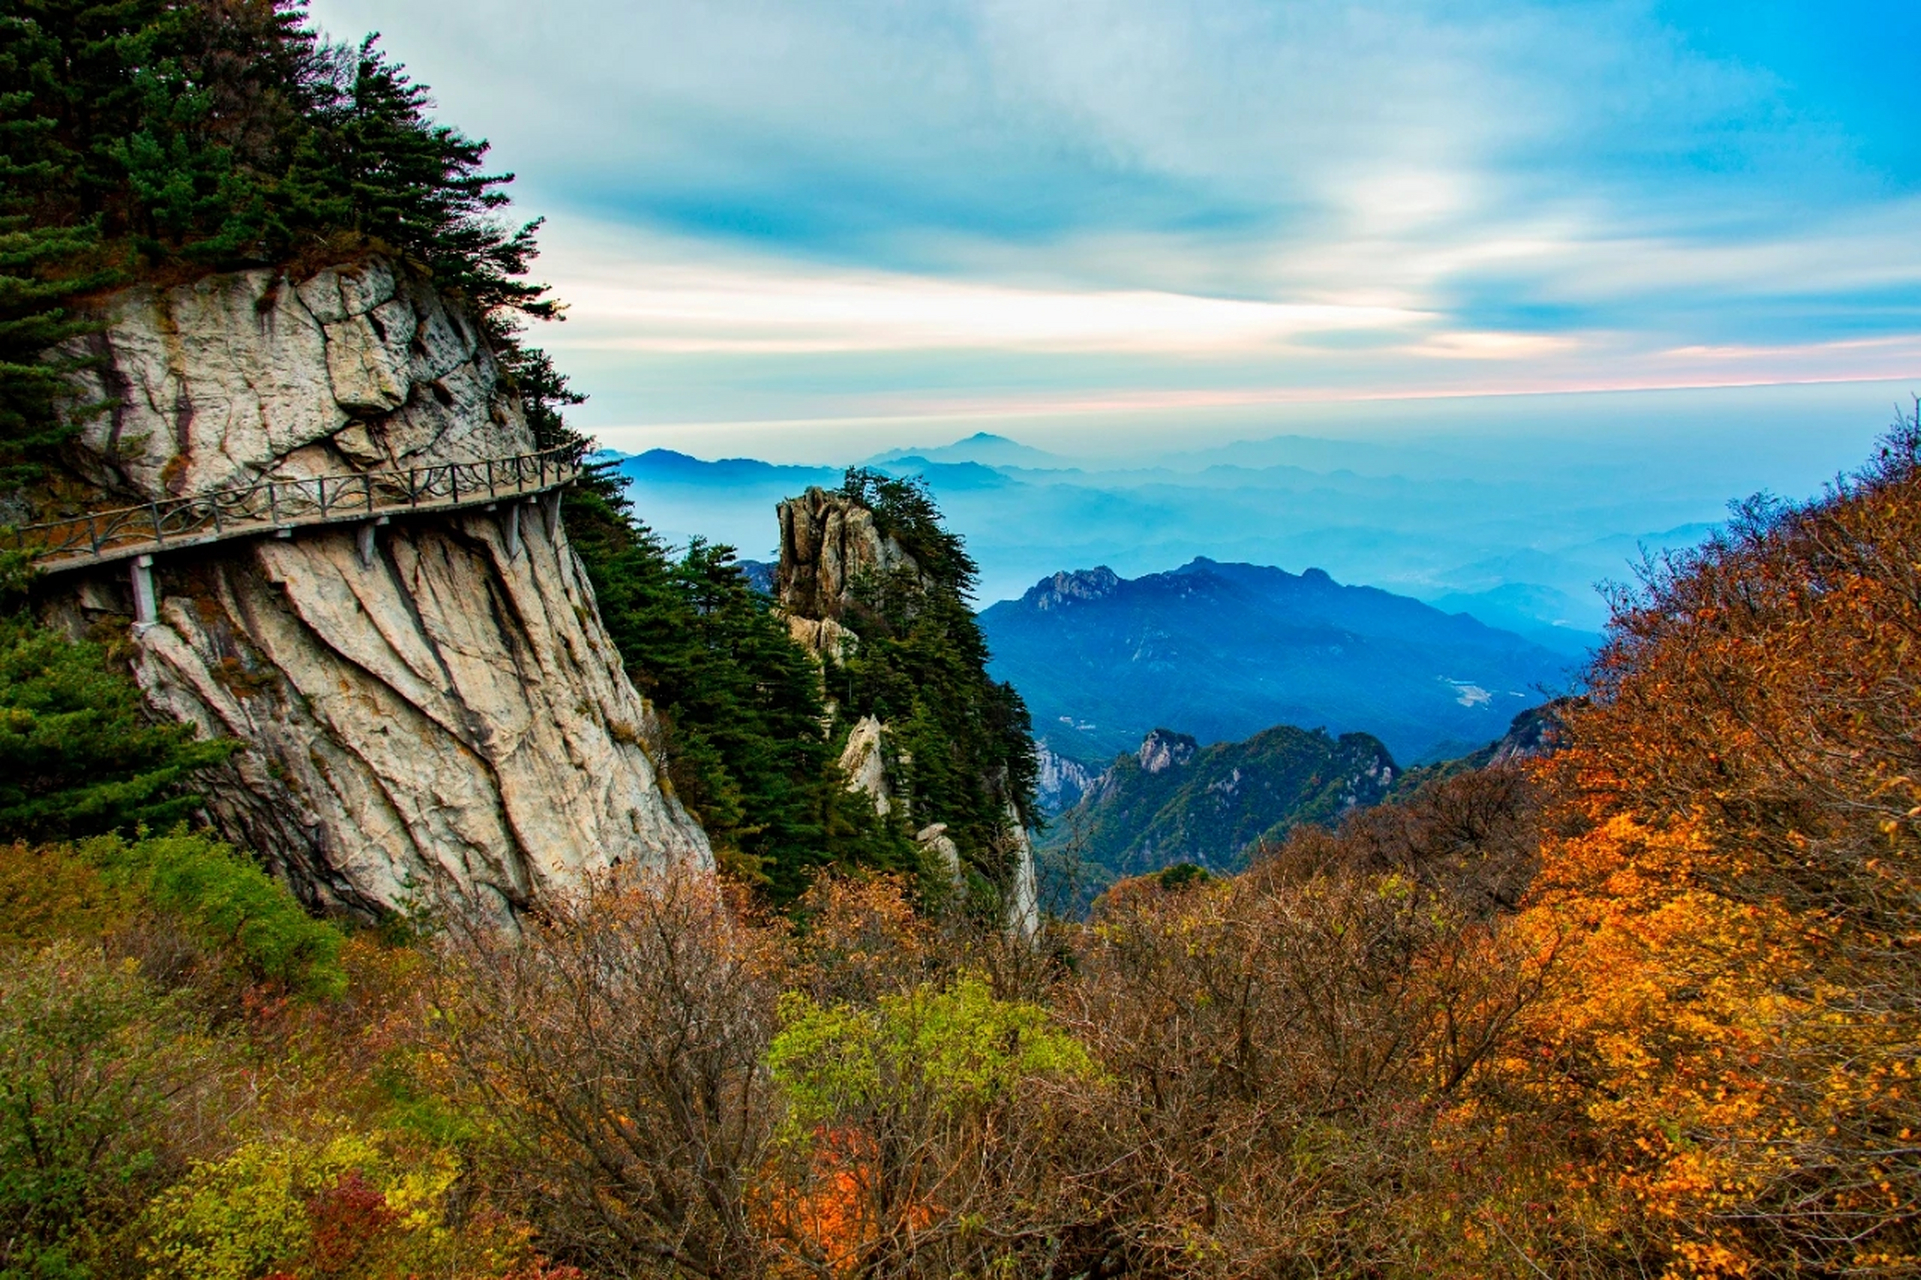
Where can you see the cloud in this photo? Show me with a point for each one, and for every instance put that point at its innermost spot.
(782, 308)
(861, 208)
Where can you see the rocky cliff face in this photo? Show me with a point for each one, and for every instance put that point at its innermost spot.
(828, 543)
(1163, 749)
(446, 716)
(238, 377)
(1063, 589)
(1061, 781)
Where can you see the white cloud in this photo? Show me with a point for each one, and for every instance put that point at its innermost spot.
(775, 307)
(860, 208)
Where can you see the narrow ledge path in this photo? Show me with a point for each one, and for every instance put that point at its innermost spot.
(278, 507)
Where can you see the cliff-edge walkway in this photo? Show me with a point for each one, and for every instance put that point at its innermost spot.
(278, 507)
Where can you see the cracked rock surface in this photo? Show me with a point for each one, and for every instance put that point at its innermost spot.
(238, 377)
(449, 718)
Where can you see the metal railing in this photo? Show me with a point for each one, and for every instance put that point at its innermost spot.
(269, 505)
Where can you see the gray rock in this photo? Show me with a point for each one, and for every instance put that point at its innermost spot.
(447, 720)
(240, 376)
(827, 544)
(1060, 782)
(1163, 749)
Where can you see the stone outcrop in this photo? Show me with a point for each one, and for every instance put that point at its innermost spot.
(1536, 732)
(448, 717)
(1060, 782)
(827, 543)
(935, 840)
(1079, 586)
(242, 376)
(825, 638)
(862, 763)
(1163, 749)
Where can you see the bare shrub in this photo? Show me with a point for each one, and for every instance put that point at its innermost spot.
(619, 1043)
(1281, 1051)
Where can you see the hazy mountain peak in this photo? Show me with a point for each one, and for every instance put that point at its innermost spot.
(983, 447)
(1080, 584)
(1164, 749)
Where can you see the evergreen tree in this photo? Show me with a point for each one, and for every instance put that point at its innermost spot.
(77, 756)
(35, 280)
(746, 739)
(144, 137)
(965, 751)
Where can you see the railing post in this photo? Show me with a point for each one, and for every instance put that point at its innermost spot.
(322, 482)
(490, 479)
(364, 541)
(158, 534)
(413, 486)
(273, 502)
(453, 480)
(367, 485)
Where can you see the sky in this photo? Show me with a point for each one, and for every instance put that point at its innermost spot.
(809, 231)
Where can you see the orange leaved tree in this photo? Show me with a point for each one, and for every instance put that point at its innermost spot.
(1730, 871)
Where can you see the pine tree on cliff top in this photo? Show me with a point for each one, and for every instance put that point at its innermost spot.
(963, 741)
(160, 138)
(740, 702)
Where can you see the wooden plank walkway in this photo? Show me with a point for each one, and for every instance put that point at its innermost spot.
(271, 506)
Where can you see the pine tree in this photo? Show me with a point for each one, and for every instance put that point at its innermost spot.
(77, 756)
(747, 746)
(160, 136)
(40, 267)
(964, 740)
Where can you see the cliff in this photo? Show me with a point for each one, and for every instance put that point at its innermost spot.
(1061, 781)
(961, 809)
(430, 705)
(828, 543)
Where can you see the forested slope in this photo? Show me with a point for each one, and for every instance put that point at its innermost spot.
(1177, 801)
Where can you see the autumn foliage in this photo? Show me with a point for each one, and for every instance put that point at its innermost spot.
(1733, 855)
(1644, 1007)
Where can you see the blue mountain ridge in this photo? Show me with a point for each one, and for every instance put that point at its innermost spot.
(1519, 554)
(1222, 651)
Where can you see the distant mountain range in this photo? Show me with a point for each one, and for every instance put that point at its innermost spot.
(1518, 547)
(1222, 651)
(1174, 801)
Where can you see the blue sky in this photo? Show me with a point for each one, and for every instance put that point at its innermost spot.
(810, 230)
